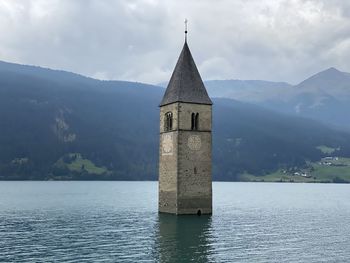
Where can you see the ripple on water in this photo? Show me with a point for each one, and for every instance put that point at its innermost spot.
(118, 222)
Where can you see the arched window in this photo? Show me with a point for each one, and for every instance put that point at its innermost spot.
(194, 121)
(168, 121)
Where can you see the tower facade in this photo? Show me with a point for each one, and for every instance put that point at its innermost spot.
(185, 161)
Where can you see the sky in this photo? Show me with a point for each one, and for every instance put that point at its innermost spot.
(140, 40)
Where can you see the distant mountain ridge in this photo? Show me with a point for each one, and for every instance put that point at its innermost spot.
(245, 90)
(60, 125)
(324, 96)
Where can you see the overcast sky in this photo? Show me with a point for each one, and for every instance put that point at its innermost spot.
(140, 40)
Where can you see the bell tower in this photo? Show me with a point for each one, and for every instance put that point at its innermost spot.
(185, 161)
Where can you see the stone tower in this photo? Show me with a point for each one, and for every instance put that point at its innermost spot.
(185, 162)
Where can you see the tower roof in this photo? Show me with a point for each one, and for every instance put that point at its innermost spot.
(186, 84)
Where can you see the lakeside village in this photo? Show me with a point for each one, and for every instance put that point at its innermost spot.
(326, 161)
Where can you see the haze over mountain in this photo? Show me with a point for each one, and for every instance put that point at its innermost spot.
(60, 125)
(324, 96)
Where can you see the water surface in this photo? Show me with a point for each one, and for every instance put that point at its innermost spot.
(119, 222)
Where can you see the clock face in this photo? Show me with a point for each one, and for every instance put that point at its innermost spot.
(167, 144)
(194, 142)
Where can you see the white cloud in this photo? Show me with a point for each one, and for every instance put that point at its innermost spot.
(141, 39)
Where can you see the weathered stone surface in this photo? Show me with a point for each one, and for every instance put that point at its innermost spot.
(185, 183)
(205, 116)
(168, 170)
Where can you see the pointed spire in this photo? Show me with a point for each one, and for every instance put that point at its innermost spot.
(186, 84)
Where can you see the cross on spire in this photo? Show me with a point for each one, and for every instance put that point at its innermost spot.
(186, 84)
(186, 21)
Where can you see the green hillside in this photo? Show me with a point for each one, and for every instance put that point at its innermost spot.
(58, 125)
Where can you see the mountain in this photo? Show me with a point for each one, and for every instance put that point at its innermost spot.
(331, 82)
(60, 125)
(46, 118)
(324, 96)
(245, 90)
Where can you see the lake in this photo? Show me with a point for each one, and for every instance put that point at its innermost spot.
(119, 222)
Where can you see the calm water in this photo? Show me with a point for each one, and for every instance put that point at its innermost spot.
(119, 222)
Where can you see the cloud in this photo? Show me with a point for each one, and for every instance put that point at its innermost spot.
(140, 40)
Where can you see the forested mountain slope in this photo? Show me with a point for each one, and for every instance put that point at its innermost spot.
(59, 125)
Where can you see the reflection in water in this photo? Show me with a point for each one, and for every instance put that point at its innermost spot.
(183, 238)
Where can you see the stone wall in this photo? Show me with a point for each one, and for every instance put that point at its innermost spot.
(168, 162)
(185, 183)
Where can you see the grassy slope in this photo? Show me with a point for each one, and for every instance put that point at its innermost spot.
(79, 164)
(325, 149)
(339, 171)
